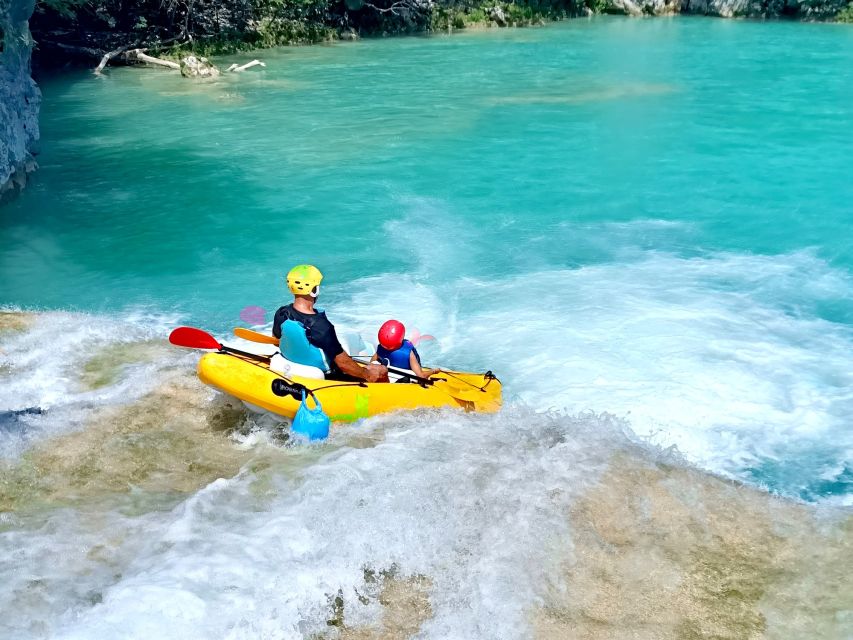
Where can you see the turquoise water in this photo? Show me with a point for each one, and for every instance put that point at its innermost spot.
(642, 226)
(365, 157)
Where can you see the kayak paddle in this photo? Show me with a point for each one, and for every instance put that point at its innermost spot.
(399, 372)
(254, 336)
(193, 338)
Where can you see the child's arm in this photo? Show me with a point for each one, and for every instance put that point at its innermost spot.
(415, 366)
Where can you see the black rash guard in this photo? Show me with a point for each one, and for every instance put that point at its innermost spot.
(319, 331)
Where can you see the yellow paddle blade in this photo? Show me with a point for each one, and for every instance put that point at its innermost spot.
(487, 400)
(254, 336)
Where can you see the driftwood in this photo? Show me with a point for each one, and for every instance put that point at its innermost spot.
(139, 55)
(238, 68)
(110, 55)
(132, 54)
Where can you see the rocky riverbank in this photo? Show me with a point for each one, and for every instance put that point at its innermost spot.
(19, 97)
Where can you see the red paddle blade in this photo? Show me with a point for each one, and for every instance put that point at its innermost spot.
(193, 338)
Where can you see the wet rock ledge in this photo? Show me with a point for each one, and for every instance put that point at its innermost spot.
(19, 97)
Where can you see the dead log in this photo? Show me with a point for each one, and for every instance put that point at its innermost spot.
(238, 68)
(139, 55)
(110, 55)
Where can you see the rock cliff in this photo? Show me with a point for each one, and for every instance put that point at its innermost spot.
(799, 9)
(19, 96)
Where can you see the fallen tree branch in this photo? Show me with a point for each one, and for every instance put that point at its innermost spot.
(139, 55)
(394, 8)
(112, 54)
(238, 68)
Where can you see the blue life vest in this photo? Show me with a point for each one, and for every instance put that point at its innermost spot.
(398, 358)
(295, 347)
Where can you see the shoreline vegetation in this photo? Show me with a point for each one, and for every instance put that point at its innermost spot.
(69, 32)
(75, 32)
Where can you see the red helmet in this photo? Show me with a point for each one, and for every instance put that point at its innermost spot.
(391, 334)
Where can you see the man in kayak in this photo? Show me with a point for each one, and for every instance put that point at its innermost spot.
(309, 339)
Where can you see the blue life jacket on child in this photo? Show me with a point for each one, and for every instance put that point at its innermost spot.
(398, 358)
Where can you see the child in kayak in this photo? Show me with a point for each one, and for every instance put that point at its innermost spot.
(395, 351)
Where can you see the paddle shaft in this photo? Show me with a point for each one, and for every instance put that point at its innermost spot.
(401, 372)
(254, 336)
(245, 354)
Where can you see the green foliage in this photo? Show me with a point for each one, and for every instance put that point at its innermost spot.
(476, 15)
(65, 8)
(275, 31)
(846, 14)
(520, 13)
(440, 20)
(597, 6)
(220, 27)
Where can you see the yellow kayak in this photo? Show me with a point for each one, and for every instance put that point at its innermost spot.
(252, 381)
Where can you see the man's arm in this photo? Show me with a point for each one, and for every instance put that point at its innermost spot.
(278, 320)
(370, 373)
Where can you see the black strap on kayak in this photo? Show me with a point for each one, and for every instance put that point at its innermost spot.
(408, 375)
(488, 377)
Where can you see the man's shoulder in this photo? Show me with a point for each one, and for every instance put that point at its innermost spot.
(320, 318)
(284, 310)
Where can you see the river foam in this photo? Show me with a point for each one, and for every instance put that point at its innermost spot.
(737, 360)
(437, 523)
(60, 366)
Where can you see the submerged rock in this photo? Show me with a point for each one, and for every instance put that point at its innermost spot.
(172, 441)
(192, 67)
(19, 97)
(665, 552)
(14, 321)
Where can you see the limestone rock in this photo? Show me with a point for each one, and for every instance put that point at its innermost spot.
(802, 9)
(192, 67)
(722, 8)
(497, 15)
(628, 7)
(647, 7)
(19, 97)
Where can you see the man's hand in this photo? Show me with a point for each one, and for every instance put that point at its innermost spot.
(376, 373)
(370, 373)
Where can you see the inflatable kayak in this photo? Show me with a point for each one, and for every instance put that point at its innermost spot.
(254, 383)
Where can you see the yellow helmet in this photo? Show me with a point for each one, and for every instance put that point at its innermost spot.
(304, 280)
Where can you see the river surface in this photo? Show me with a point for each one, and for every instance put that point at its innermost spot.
(644, 223)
